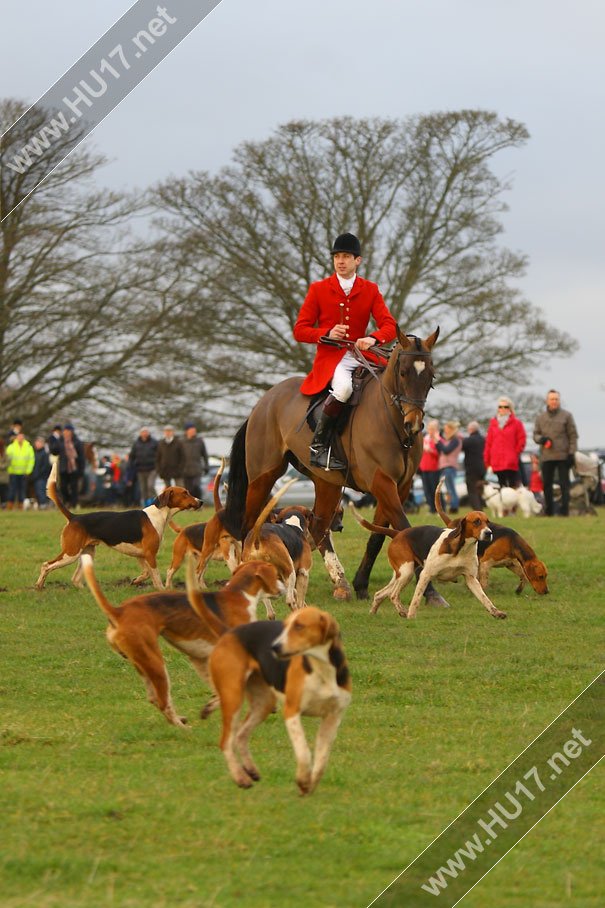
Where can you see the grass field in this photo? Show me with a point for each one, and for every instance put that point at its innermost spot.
(104, 804)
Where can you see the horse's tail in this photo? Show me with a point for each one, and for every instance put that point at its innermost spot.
(217, 482)
(374, 528)
(235, 506)
(438, 506)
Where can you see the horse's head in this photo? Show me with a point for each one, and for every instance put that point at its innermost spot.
(409, 378)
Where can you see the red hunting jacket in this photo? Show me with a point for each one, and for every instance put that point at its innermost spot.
(321, 310)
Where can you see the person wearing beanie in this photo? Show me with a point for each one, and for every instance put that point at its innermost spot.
(340, 308)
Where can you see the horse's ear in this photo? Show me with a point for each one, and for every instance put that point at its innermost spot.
(430, 341)
(403, 339)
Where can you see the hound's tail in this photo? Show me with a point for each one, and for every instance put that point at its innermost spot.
(213, 624)
(53, 493)
(235, 506)
(254, 534)
(218, 505)
(93, 585)
(438, 506)
(372, 527)
(174, 526)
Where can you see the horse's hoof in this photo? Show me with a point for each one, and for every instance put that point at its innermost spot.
(362, 593)
(436, 599)
(342, 592)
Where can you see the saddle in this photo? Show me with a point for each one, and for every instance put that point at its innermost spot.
(360, 376)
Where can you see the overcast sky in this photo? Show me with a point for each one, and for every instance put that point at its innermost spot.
(251, 66)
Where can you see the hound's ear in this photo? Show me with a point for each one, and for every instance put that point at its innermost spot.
(454, 541)
(329, 627)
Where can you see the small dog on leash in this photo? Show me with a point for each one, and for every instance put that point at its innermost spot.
(503, 500)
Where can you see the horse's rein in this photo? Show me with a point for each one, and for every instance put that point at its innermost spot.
(396, 399)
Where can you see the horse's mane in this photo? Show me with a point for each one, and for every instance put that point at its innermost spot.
(235, 505)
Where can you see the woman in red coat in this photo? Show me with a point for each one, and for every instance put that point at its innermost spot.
(504, 442)
(339, 307)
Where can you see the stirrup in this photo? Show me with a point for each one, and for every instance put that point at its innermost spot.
(322, 457)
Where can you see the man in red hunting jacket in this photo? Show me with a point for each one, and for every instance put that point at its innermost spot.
(339, 307)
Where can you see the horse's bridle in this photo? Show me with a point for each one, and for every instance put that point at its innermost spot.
(398, 399)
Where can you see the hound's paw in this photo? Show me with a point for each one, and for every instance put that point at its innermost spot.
(244, 781)
(498, 614)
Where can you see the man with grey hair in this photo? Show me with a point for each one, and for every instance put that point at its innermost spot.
(170, 458)
(473, 446)
(555, 431)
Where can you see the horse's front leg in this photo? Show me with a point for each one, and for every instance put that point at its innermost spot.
(373, 547)
(389, 512)
(327, 500)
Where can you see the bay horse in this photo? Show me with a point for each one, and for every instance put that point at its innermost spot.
(382, 442)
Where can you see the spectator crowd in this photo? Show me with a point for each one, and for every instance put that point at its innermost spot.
(87, 478)
(133, 478)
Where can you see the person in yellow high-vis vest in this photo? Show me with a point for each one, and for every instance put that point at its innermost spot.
(21, 460)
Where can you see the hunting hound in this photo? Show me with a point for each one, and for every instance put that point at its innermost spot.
(506, 549)
(300, 663)
(137, 532)
(191, 623)
(211, 541)
(286, 544)
(442, 555)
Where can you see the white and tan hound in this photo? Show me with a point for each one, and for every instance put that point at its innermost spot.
(300, 663)
(137, 532)
(441, 555)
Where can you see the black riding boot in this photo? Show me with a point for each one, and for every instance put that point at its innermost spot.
(321, 453)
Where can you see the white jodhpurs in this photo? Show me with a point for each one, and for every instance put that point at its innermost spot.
(342, 381)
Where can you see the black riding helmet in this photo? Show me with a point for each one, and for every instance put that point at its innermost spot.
(347, 242)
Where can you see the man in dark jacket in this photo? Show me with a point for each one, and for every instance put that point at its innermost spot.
(40, 472)
(141, 465)
(196, 460)
(170, 458)
(555, 431)
(474, 465)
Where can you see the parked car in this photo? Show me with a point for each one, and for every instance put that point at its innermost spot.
(301, 492)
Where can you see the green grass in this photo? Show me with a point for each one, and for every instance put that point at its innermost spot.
(102, 803)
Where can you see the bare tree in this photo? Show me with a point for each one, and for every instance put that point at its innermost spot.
(87, 310)
(421, 196)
